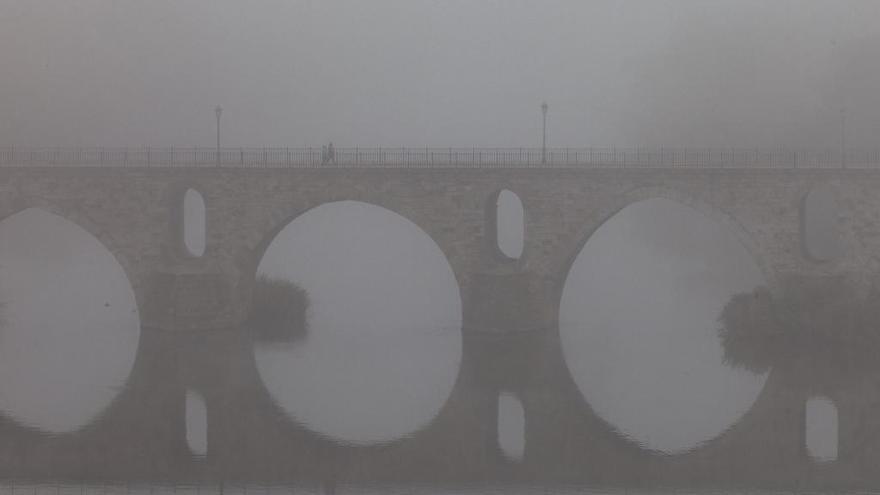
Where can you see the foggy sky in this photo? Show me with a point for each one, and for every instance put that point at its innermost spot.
(450, 73)
(442, 73)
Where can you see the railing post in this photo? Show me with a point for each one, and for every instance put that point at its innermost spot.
(241, 154)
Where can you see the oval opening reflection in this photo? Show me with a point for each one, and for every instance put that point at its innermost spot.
(639, 323)
(367, 344)
(509, 224)
(70, 325)
(821, 435)
(194, 222)
(196, 424)
(511, 427)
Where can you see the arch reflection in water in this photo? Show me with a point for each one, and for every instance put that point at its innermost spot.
(196, 423)
(511, 427)
(821, 429)
(383, 342)
(70, 325)
(639, 325)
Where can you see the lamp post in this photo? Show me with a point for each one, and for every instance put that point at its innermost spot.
(218, 111)
(544, 137)
(843, 137)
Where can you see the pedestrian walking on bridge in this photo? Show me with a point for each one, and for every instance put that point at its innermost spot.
(331, 153)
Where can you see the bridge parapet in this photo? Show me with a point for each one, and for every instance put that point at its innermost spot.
(403, 157)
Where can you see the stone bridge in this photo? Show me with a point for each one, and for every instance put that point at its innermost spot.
(191, 308)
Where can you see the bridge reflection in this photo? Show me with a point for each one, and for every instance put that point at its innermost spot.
(141, 436)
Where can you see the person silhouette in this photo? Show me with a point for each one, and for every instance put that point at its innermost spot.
(331, 153)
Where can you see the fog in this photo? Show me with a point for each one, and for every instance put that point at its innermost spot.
(378, 348)
(439, 73)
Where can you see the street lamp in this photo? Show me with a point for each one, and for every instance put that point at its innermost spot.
(843, 137)
(544, 138)
(218, 111)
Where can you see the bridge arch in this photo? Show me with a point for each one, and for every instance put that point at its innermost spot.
(348, 257)
(592, 317)
(607, 211)
(135, 276)
(112, 334)
(280, 218)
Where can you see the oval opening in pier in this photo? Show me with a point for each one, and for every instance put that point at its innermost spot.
(821, 435)
(819, 224)
(511, 427)
(509, 224)
(70, 325)
(377, 351)
(194, 222)
(639, 323)
(196, 424)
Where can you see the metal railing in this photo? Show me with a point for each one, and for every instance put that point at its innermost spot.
(440, 157)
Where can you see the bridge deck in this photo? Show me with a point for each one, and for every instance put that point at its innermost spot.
(380, 157)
